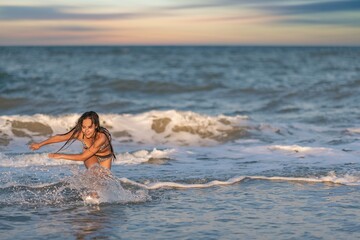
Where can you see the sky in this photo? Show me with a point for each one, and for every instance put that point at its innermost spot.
(180, 22)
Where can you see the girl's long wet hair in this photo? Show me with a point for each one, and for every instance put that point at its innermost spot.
(94, 117)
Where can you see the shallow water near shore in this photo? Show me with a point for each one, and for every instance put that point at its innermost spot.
(211, 142)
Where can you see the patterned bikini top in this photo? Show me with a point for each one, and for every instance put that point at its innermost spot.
(103, 147)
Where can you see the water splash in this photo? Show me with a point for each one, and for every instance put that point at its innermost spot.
(100, 185)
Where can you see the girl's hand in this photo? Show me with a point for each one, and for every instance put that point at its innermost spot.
(34, 146)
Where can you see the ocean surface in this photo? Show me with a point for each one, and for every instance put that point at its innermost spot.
(211, 142)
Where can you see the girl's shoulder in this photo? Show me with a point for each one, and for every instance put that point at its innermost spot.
(100, 136)
(78, 135)
(104, 132)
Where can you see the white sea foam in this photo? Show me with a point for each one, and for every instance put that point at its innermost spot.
(353, 130)
(26, 160)
(42, 159)
(143, 156)
(347, 179)
(298, 149)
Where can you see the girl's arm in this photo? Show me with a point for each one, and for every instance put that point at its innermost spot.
(88, 153)
(50, 140)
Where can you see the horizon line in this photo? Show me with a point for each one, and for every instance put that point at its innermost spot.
(181, 45)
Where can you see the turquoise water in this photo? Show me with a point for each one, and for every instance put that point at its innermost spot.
(211, 142)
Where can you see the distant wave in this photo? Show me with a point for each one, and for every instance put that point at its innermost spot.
(9, 103)
(159, 87)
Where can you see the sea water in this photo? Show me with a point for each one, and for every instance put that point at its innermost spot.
(211, 142)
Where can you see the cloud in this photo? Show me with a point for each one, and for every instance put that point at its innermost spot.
(280, 6)
(76, 29)
(14, 13)
(280, 12)
(314, 7)
(223, 3)
(292, 12)
(307, 21)
(238, 18)
(317, 13)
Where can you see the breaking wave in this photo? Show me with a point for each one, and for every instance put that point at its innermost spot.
(155, 127)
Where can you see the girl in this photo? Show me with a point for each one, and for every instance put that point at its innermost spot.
(96, 140)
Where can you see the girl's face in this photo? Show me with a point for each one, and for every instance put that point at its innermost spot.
(88, 128)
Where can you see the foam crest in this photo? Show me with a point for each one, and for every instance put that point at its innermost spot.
(171, 185)
(348, 179)
(213, 183)
(143, 156)
(298, 149)
(353, 130)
